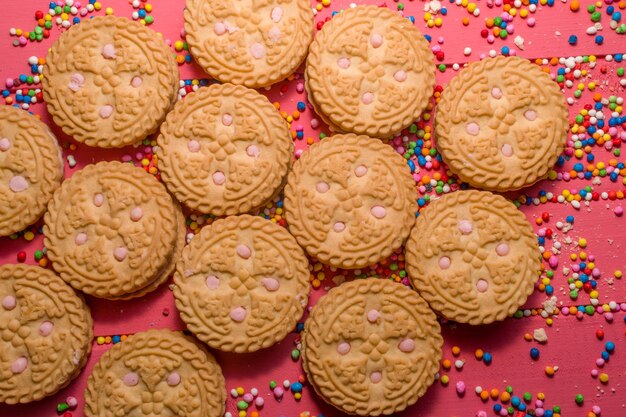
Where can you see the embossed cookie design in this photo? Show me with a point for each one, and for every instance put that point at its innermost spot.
(31, 169)
(350, 201)
(242, 284)
(371, 347)
(156, 373)
(109, 81)
(501, 124)
(369, 71)
(112, 230)
(46, 331)
(251, 42)
(224, 150)
(473, 256)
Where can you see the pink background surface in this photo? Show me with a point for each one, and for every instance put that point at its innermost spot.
(572, 345)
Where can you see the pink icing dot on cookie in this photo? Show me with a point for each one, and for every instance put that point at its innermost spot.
(193, 146)
(400, 76)
(131, 379)
(98, 200)
(339, 227)
(507, 150)
(472, 129)
(466, 227)
(257, 50)
(238, 314)
(343, 348)
(407, 345)
(80, 239)
(136, 81)
(378, 211)
(482, 285)
(253, 151)
(219, 178)
(19, 365)
(106, 111)
(212, 282)
(227, 119)
(173, 379)
(277, 14)
(322, 187)
(5, 144)
(376, 377)
(271, 284)
(274, 34)
(76, 81)
(360, 170)
(502, 249)
(496, 93)
(17, 184)
(244, 251)
(9, 302)
(367, 98)
(108, 51)
(376, 40)
(120, 253)
(530, 115)
(343, 62)
(373, 315)
(219, 28)
(136, 214)
(444, 262)
(45, 328)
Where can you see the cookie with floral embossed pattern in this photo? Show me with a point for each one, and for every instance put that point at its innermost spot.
(109, 81)
(254, 43)
(473, 256)
(46, 331)
(350, 201)
(158, 372)
(111, 230)
(371, 347)
(370, 71)
(501, 124)
(242, 284)
(31, 169)
(224, 150)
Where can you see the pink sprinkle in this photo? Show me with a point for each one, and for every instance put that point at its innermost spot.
(72, 402)
(460, 388)
(531, 22)
(553, 261)
(300, 87)
(472, 128)
(247, 397)
(279, 392)
(343, 348)
(259, 402)
(594, 373)
(315, 123)
(238, 314)
(619, 211)
(596, 410)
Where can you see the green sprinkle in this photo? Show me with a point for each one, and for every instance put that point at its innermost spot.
(579, 399)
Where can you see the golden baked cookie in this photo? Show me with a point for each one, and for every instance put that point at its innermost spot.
(371, 347)
(501, 124)
(31, 169)
(224, 150)
(251, 42)
(473, 256)
(370, 71)
(158, 372)
(46, 331)
(242, 284)
(111, 229)
(109, 81)
(350, 201)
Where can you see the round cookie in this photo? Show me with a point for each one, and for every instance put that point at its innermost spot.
(473, 256)
(109, 81)
(251, 42)
(111, 229)
(242, 284)
(158, 372)
(224, 150)
(501, 124)
(350, 201)
(370, 71)
(371, 347)
(46, 331)
(31, 169)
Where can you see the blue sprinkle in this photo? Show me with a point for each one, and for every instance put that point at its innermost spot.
(609, 346)
(534, 353)
(573, 40)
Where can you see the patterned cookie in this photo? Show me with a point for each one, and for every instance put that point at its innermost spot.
(158, 372)
(251, 42)
(111, 229)
(242, 284)
(350, 201)
(501, 124)
(224, 150)
(371, 347)
(370, 71)
(109, 81)
(31, 169)
(473, 256)
(46, 332)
